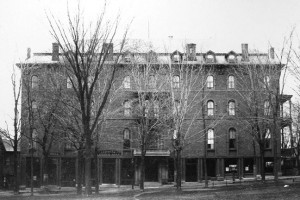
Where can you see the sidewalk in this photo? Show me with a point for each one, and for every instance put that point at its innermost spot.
(113, 188)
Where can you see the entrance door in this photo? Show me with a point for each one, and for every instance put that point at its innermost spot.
(191, 170)
(108, 171)
(211, 167)
(151, 169)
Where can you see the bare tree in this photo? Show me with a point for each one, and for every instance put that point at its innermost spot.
(15, 137)
(85, 60)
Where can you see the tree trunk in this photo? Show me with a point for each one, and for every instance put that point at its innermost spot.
(79, 172)
(45, 174)
(16, 180)
(88, 153)
(178, 166)
(262, 165)
(97, 170)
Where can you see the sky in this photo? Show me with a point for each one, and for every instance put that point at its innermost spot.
(218, 25)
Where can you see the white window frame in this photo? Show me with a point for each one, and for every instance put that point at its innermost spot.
(127, 82)
(34, 81)
(210, 81)
(231, 108)
(231, 82)
(210, 108)
(210, 139)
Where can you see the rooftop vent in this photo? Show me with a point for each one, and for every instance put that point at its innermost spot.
(191, 52)
(245, 56)
(55, 52)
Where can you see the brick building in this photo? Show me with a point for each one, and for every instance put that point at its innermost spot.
(228, 145)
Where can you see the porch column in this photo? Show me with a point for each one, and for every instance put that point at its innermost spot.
(200, 170)
(183, 169)
(100, 171)
(118, 171)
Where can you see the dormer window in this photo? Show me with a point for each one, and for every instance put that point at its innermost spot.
(231, 57)
(127, 57)
(210, 57)
(176, 56)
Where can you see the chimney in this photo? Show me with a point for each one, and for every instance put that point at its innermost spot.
(191, 52)
(245, 52)
(28, 53)
(108, 48)
(55, 52)
(272, 53)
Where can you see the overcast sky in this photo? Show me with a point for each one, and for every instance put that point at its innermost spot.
(218, 25)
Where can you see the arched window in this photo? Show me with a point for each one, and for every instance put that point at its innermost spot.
(231, 107)
(210, 81)
(126, 138)
(127, 108)
(34, 82)
(210, 108)
(152, 81)
(231, 82)
(268, 139)
(69, 83)
(127, 82)
(267, 109)
(232, 138)
(176, 81)
(266, 81)
(210, 139)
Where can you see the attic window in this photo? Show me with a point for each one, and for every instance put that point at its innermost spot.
(127, 58)
(210, 57)
(231, 58)
(176, 58)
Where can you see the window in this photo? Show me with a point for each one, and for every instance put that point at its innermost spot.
(127, 82)
(176, 58)
(232, 138)
(34, 82)
(151, 81)
(156, 109)
(176, 80)
(267, 110)
(176, 108)
(231, 107)
(210, 81)
(69, 83)
(210, 108)
(210, 139)
(146, 104)
(231, 82)
(160, 142)
(34, 138)
(266, 81)
(127, 108)
(126, 137)
(33, 105)
(268, 139)
(68, 146)
(231, 58)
